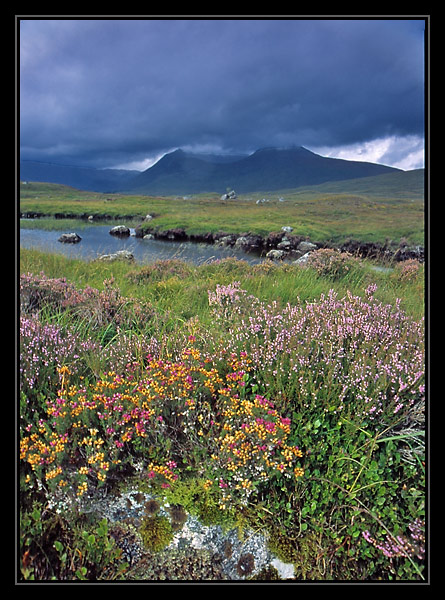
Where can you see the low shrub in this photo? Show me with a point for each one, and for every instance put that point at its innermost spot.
(332, 263)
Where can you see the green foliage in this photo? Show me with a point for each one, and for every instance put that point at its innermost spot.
(54, 549)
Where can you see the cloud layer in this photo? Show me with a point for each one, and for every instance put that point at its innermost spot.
(104, 93)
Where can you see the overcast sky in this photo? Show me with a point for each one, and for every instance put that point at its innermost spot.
(121, 93)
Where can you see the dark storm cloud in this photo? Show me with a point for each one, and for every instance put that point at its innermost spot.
(107, 92)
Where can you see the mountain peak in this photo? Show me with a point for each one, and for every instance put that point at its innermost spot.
(283, 149)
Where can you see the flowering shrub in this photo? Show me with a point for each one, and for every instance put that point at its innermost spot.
(402, 545)
(44, 349)
(250, 451)
(99, 308)
(337, 352)
(230, 300)
(176, 415)
(331, 262)
(407, 270)
(39, 291)
(127, 352)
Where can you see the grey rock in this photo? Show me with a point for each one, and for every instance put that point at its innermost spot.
(275, 254)
(120, 230)
(69, 238)
(119, 255)
(306, 246)
(229, 196)
(227, 240)
(303, 259)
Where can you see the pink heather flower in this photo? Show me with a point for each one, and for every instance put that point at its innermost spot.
(151, 474)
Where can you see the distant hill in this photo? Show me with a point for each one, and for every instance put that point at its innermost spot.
(265, 170)
(179, 173)
(398, 184)
(81, 178)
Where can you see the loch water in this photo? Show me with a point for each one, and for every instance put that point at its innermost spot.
(96, 241)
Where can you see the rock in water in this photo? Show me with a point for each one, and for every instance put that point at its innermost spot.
(69, 238)
(275, 254)
(120, 230)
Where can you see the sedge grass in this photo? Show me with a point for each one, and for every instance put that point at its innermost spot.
(184, 294)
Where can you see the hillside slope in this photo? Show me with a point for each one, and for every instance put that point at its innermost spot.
(264, 170)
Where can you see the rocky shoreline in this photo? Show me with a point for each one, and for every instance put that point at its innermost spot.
(276, 245)
(284, 244)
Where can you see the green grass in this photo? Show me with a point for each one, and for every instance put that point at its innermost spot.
(323, 217)
(181, 288)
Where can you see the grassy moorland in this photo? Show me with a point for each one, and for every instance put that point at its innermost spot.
(275, 398)
(313, 213)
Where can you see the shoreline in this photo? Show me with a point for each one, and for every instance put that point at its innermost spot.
(283, 242)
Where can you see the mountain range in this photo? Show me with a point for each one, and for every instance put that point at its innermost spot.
(180, 172)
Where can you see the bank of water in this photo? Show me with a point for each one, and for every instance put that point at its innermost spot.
(96, 240)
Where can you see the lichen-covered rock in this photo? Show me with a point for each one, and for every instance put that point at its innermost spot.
(192, 550)
(119, 255)
(275, 254)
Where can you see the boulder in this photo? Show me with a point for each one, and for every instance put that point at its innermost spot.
(275, 254)
(249, 243)
(120, 230)
(409, 252)
(229, 196)
(70, 238)
(228, 239)
(303, 259)
(119, 255)
(287, 229)
(306, 247)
